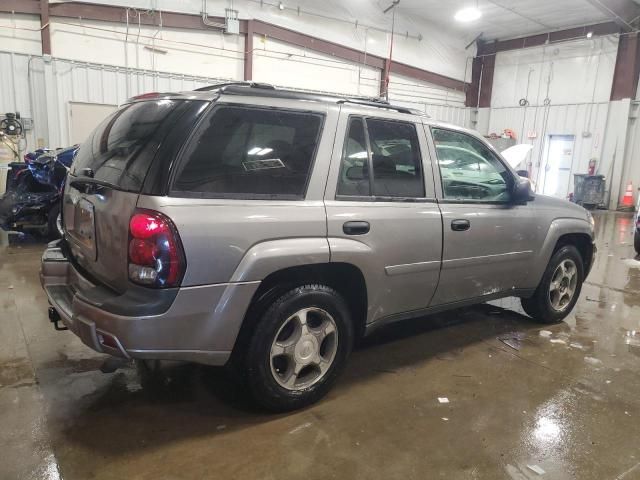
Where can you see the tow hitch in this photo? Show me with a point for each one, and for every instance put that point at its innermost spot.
(54, 317)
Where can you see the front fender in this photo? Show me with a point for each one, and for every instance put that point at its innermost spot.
(557, 228)
(267, 257)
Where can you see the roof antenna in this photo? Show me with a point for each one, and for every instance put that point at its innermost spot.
(387, 66)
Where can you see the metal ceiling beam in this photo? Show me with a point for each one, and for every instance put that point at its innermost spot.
(490, 48)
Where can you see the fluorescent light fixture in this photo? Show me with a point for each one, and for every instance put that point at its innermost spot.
(254, 151)
(468, 14)
(589, 34)
(362, 154)
(264, 151)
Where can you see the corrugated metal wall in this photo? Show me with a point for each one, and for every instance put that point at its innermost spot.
(439, 103)
(586, 122)
(42, 91)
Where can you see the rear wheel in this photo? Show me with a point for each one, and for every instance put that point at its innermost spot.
(559, 288)
(298, 348)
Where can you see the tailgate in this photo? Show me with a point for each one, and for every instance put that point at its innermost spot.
(97, 231)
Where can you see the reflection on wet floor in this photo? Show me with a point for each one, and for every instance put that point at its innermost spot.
(523, 398)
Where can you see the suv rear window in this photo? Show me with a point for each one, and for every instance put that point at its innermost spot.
(251, 153)
(115, 150)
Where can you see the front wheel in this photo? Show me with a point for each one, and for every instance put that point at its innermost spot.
(636, 241)
(54, 222)
(559, 288)
(298, 348)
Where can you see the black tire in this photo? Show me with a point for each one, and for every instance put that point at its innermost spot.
(539, 306)
(636, 241)
(52, 222)
(263, 387)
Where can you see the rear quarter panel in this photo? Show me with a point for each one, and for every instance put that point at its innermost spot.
(230, 240)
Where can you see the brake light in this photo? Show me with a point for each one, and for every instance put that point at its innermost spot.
(156, 258)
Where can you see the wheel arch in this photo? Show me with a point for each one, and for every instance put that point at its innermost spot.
(564, 231)
(345, 278)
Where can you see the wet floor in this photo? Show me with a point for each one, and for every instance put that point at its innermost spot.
(524, 401)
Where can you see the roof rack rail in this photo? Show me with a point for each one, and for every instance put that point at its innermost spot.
(376, 102)
(217, 86)
(268, 90)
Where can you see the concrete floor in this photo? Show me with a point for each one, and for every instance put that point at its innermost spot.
(566, 403)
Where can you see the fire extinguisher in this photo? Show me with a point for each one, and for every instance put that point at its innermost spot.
(592, 166)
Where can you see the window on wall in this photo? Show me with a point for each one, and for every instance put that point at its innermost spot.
(394, 154)
(469, 170)
(242, 151)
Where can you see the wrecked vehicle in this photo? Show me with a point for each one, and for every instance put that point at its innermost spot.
(32, 200)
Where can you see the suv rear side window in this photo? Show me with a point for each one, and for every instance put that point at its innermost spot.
(114, 151)
(394, 152)
(251, 152)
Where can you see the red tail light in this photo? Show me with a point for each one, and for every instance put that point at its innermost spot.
(156, 258)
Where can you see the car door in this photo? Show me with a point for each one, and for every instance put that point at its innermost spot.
(385, 219)
(488, 240)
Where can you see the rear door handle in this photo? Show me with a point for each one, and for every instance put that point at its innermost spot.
(356, 228)
(460, 225)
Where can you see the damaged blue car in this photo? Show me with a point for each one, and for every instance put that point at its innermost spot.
(32, 200)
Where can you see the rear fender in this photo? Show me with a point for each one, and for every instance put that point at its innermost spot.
(267, 257)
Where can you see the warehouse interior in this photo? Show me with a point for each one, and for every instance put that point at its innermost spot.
(480, 392)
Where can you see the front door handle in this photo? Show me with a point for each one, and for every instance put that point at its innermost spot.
(356, 228)
(460, 225)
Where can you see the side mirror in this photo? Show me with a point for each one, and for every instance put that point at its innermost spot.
(355, 174)
(522, 192)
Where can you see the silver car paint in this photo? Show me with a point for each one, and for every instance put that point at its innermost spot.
(400, 256)
(232, 245)
(107, 260)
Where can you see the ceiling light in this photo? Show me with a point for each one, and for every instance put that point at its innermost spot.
(281, 6)
(589, 34)
(468, 14)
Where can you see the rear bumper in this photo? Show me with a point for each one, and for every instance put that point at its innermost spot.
(198, 324)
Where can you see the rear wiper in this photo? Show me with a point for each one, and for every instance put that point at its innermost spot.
(90, 185)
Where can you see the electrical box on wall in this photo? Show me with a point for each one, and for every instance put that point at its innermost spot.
(232, 24)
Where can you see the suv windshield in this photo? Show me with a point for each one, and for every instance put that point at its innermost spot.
(115, 151)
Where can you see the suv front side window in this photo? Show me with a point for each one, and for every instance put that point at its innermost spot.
(251, 152)
(469, 170)
(392, 148)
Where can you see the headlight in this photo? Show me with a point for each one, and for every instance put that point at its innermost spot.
(591, 220)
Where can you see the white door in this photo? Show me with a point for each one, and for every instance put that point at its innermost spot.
(557, 167)
(85, 117)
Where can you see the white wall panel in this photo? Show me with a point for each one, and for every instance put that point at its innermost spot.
(344, 23)
(439, 103)
(203, 53)
(285, 65)
(599, 130)
(42, 90)
(20, 33)
(579, 71)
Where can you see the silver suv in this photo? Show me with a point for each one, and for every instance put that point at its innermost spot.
(268, 230)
